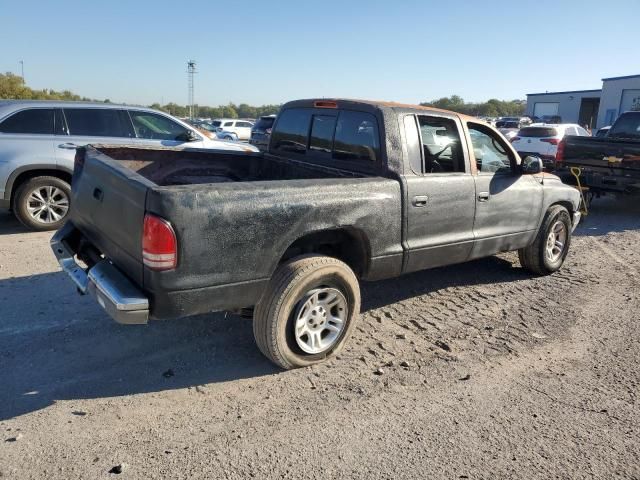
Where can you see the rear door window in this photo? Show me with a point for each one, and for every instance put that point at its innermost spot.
(96, 122)
(292, 130)
(356, 137)
(441, 145)
(31, 121)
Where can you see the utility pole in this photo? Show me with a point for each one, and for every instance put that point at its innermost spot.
(22, 71)
(191, 71)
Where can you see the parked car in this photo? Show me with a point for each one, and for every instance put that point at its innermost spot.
(38, 141)
(241, 128)
(509, 128)
(349, 190)
(261, 132)
(542, 140)
(610, 163)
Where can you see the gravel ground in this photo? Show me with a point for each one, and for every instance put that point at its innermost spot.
(485, 372)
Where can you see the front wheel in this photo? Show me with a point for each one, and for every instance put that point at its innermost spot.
(42, 203)
(307, 311)
(549, 249)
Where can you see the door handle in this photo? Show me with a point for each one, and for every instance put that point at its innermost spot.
(68, 146)
(483, 196)
(420, 201)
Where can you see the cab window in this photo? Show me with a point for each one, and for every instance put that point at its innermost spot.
(441, 145)
(490, 151)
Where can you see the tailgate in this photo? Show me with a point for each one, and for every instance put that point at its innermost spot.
(108, 206)
(615, 155)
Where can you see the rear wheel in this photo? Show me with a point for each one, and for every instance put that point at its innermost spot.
(307, 311)
(549, 249)
(42, 203)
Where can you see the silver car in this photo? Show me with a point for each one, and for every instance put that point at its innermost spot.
(38, 141)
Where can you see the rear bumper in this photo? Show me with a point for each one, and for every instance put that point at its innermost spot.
(113, 291)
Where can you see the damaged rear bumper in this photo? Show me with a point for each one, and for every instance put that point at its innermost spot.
(113, 291)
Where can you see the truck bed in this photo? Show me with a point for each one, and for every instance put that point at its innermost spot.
(234, 215)
(166, 167)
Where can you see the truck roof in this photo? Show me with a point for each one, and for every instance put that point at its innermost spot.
(375, 104)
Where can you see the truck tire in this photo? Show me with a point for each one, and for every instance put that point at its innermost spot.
(549, 249)
(307, 311)
(42, 203)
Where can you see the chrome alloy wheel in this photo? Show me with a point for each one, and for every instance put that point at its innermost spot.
(320, 319)
(556, 241)
(47, 204)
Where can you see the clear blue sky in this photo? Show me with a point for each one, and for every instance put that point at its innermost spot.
(272, 51)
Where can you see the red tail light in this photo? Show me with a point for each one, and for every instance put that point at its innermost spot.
(514, 139)
(552, 141)
(560, 154)
(159, 244)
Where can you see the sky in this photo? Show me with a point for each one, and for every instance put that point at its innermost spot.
(262, 52)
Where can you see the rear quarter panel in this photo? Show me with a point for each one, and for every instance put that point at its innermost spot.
(237, 232)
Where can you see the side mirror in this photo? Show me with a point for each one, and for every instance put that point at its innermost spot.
(532, 165)
(188, 136)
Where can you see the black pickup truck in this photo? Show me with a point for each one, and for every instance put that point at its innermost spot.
(348, 191)
(610, 163)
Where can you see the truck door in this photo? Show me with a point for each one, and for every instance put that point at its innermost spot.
(441, 192)
(508, 204)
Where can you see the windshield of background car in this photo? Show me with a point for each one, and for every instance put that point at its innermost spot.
(216, 123)
(539, 132)
(264, 123)
(627, 126)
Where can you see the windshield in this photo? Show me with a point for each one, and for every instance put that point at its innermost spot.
(264, 123)
(538, 132)
(627, 126)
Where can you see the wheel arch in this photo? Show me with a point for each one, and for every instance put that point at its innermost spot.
(349, 244)
(26, 173)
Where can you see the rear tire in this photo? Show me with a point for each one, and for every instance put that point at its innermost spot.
(307, 311)
(42, 203)
(549, 249)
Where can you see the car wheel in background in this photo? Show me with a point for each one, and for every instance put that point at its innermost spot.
(307, 311)
(42, 203)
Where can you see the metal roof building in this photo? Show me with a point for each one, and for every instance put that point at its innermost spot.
(594, 108)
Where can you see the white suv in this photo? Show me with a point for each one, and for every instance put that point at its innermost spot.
(240, 129)
(542, 139)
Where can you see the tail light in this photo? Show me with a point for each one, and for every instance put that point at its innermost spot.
(268, 131)
(560, 154)
(159, 244)
(515, 139)
(552, 141)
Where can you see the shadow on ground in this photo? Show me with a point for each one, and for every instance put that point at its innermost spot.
(56, 345)
(9, 224)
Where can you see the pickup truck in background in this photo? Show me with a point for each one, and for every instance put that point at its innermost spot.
(348, 191)
(610, 163)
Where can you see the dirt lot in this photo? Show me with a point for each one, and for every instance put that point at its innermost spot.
(487, 372)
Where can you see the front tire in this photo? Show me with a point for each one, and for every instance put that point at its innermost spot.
(42, 203)
(549, 249)
(307, 311)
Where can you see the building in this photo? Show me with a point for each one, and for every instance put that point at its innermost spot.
(595, 108)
